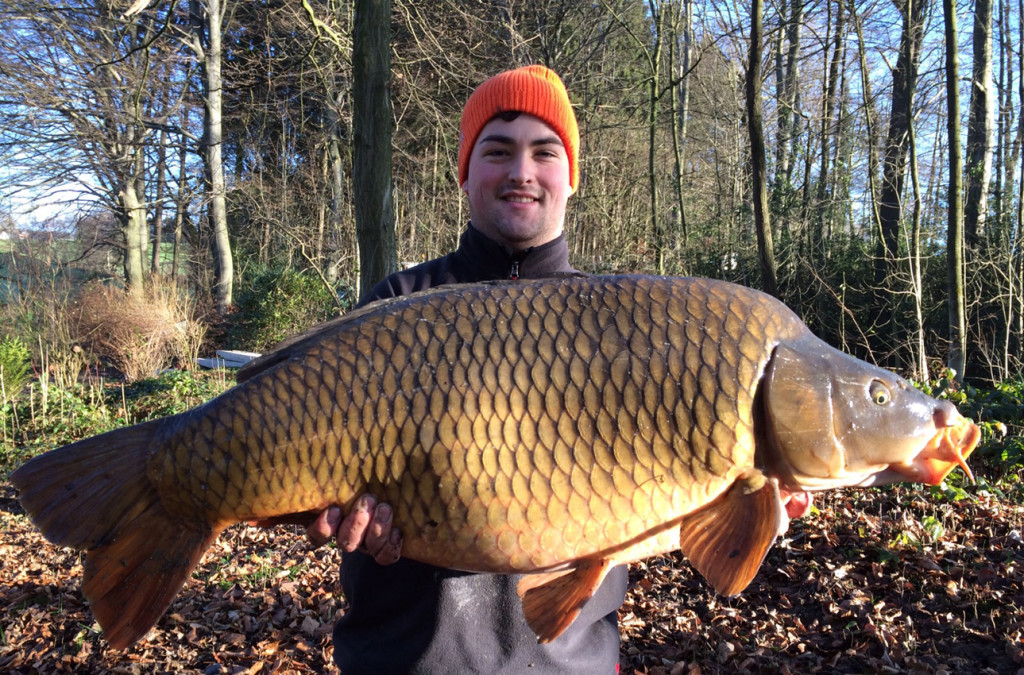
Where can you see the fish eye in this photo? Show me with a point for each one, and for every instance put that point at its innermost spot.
(879, 393)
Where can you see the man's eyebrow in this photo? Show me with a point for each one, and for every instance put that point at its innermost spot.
(508, 140)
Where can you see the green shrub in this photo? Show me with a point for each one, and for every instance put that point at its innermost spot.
(49, 418)
(15, 368)
(275, 303)
(170, 393)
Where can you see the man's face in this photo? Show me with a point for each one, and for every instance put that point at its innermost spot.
(518, 182)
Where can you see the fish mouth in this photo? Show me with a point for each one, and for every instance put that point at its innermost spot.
(947, 449)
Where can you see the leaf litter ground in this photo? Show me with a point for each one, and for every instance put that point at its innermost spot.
(889, 581)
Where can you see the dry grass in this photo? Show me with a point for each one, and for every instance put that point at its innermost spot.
(139, 333)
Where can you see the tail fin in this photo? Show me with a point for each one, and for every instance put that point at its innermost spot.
(131, 581)
(96, 495)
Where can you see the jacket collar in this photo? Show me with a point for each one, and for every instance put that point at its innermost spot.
(496, 261)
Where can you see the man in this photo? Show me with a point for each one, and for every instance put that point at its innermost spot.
(518, 150)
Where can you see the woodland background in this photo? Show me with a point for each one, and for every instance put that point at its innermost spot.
(179, 176)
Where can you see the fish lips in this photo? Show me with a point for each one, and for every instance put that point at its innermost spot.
(947, 449)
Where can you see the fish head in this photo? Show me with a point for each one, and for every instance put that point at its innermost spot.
(832, 420)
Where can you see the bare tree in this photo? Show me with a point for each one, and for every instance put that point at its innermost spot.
(829, 106)
(758, 161)
(207, 20)
(681, 58)
(787, 73)
(79, 111)
(980, 126)
(890, 210)
(956, 357)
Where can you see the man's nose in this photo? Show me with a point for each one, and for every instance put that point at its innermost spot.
(520, 169)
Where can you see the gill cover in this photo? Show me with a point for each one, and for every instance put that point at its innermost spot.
(833, 420)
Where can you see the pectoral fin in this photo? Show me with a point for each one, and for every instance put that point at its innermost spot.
(727, 540)
(553, 600)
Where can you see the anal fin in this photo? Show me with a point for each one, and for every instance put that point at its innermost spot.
(727, 540)
(553, 600)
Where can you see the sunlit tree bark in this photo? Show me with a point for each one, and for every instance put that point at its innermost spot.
(207, 23)
(758, 162)
(957, 333)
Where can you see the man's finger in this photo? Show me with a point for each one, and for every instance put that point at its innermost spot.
(353, 527)
(392, 549)
(321, 530)
(379, 530)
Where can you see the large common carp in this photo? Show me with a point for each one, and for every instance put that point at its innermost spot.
(555, 427)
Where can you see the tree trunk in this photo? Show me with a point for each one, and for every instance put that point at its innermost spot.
(180, 212)
(657, 227)
(824, 207)
(336, 180)
(686, 56)
(133, 224)
(372, 129)
(158, 209)
(980, 126)
(789, 121)
(890, 209)
(916, 281)
(954, 237)
(869, 123)
(1015, 328)
(138, 217)
(681, 39)
(758, 161)
(213, 141)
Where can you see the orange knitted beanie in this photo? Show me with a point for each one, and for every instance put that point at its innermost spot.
(534, 90)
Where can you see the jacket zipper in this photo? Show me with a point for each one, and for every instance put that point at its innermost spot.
(513, 273)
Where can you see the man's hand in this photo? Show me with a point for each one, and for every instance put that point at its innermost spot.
(367, 528)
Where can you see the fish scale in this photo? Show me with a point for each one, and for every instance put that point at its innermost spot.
(555, 427)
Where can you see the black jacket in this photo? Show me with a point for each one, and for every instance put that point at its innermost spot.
(415, 618)
(476, 259)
